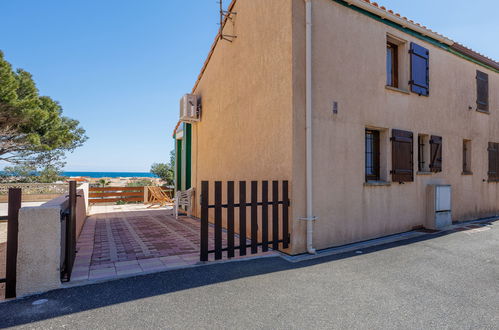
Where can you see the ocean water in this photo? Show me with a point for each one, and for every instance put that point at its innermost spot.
(111, 174)
(107, 174)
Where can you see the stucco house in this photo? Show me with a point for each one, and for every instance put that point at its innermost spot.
(366, 113)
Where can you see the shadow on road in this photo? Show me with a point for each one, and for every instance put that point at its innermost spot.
(77, 299)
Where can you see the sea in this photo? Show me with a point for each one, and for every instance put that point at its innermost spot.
(108, 174)
(111, 174)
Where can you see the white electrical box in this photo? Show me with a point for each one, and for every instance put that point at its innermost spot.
(443, 198)
(439, 206)
(190, 108)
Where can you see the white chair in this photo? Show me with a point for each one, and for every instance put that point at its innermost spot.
(184, 199)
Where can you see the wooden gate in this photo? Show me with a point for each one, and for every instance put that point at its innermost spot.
(261, 233)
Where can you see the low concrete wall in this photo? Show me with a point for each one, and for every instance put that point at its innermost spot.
(39, 251)
(39, 248)
(81, 207)
(31, 198)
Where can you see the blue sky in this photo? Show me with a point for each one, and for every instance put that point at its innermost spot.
(120, 66)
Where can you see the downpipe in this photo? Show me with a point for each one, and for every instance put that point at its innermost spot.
(310, 218)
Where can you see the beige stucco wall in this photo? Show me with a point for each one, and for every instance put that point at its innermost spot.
(349, 59)
(253, 120)
(245, 129)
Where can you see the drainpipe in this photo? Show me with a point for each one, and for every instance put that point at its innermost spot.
(310, 218)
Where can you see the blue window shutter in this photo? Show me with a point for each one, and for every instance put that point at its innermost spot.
(420, 70)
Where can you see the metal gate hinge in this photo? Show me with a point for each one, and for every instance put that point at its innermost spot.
(312, 218)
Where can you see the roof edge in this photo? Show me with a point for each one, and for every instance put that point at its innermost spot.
(382, 12)
(212, 49)
(404, 22)
(474, 55)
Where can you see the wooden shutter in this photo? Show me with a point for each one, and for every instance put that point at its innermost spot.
(482, 89)
(493, 161)
(436, 153)
(402, 156)
(420, 70)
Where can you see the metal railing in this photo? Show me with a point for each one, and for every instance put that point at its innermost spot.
(68, 234)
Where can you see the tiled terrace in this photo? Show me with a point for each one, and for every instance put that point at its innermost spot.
(132, 239)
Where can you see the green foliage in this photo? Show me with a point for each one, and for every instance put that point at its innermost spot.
(32, 127)
(165, 171)
(104, 183)
(28, 173)
(50, 174)
(21, 173)
(140, 183)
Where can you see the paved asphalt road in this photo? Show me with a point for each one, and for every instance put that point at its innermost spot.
(446, 280)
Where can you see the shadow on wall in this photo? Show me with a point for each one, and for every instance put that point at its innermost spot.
(77, 299)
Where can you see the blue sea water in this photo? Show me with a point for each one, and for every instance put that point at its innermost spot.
(108, 174)
(111, 174)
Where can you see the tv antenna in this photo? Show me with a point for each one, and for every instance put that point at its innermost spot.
(224, 16)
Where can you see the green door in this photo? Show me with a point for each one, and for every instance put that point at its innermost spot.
(183, 159)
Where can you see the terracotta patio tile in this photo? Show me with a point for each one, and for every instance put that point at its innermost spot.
(126, 263)
(129, 271)
(79, 277)
(128, 267)
(119, 243)
(171, 259)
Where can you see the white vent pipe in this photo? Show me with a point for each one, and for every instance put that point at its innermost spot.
(310, 218)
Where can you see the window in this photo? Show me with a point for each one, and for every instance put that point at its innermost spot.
(402, 156)
(423, 153)
(420, 70)
(482, 88)
(467, 157)
(436, 153)
(493, 161)
(392, 75)
(372, 166)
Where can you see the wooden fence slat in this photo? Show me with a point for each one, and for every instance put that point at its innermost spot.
(285, 214)
(116, 189)
(115, 194)
(230, 219)
(221, 220)
(275, 215)
(254, 217)
(218, 220)
(265, 216)
(242, 218)
(15, 197)
(204, 220)
(114, 200)
(112, 194)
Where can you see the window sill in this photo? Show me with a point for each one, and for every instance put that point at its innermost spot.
(493, 180)
(483, 111)
(424, 173)
(377, 184)
(467, 173)
(395, 89)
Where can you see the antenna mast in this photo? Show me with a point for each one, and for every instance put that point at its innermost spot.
(224, 16)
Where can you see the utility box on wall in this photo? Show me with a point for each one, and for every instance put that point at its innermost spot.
(439, 209)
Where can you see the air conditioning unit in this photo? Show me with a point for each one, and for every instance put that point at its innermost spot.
(190, 108)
